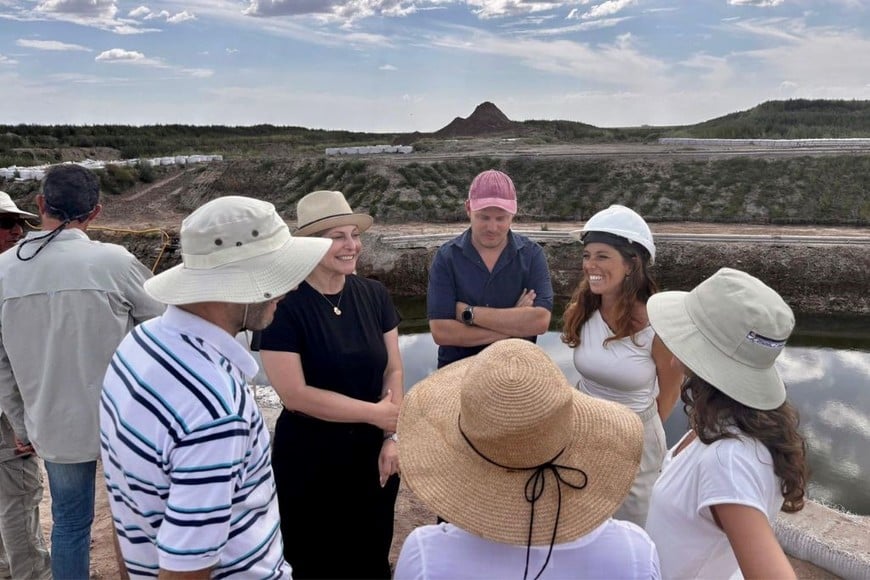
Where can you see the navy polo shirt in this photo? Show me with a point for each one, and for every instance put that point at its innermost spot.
(458, 274)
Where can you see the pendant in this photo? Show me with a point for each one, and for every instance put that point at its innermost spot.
(336, 310)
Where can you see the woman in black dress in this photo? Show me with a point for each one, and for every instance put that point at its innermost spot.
(332, 355)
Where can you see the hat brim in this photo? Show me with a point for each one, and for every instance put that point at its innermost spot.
(761, 389)
(249, 281)
(489, 501)
(509, 205)
(19, 213)
(360, 220)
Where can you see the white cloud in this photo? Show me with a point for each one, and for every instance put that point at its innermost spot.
(231, 50)
(387, 67)
(181, 17)
(608, 8)
(121, 55)
(83, 8)
(154, 15)
(6, 60)
(139, 12)
(50, 45)
(756, 3)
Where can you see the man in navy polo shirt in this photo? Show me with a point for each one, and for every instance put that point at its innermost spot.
(488, 283)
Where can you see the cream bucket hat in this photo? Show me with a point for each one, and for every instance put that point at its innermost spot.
(236, 249)
(728, 330)
(7, 206)
(501, 445)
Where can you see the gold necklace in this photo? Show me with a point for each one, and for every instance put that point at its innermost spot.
(335, 307)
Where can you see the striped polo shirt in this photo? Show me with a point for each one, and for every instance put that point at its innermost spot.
(186, 453)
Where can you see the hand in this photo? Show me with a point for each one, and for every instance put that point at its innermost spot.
(460, 308)
(22, 448)
(388, 460)
(386, 414)
(527, 298)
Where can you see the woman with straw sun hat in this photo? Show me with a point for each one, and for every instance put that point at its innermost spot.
(526, 469)
(332, 355)
(743, 459)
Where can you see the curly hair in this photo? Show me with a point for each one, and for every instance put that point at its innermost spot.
(637, 287)
(711, 413)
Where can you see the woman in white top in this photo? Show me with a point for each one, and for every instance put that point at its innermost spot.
(743, 459)
(615, 350)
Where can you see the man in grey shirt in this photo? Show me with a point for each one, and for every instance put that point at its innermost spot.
(66, 302)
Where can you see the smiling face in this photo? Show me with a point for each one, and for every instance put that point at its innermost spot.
(344, 253)
(604, 268)
(489, 227)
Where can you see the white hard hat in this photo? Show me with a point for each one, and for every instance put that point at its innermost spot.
(620, 221)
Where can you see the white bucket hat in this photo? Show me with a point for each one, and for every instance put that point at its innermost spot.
(236, 249)
(7, 206)
(728, 330)
(321, 210)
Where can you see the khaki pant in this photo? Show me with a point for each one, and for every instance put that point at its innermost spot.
(636, 505)
(23, 555)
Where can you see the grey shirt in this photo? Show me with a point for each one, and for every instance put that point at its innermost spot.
(62, 315)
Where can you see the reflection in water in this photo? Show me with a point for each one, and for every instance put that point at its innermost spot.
(828, 386)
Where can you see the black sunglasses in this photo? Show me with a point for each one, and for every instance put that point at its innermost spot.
(7, 223)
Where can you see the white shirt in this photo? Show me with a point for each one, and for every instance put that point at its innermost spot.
(615, 549)
(62, 314)
(729, 471)
(620, 371)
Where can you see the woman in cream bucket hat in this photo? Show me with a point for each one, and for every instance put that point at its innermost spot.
(332, 355)
(743, 459)
(526, 469)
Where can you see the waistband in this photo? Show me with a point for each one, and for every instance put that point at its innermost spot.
(649, 412)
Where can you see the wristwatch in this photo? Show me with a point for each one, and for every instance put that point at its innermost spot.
(394, 437)
(468, 316)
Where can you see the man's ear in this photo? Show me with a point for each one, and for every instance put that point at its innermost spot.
(94, 213)
(40, 203)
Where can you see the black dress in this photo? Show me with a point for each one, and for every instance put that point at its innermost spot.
(336, 520)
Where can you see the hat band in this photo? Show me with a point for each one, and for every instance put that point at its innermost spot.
(236, 253)
(534, 490)
(329, 217)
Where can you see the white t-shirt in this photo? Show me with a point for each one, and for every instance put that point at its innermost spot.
(615, 549)
(729, 471)
(619, 371)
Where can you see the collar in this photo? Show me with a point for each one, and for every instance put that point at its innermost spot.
(184, 322)
(67, 234)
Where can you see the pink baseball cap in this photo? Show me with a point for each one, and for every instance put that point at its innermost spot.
(493, 189)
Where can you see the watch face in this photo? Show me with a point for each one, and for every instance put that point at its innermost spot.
(466, 315)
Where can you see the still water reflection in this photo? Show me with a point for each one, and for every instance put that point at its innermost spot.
(830, 386)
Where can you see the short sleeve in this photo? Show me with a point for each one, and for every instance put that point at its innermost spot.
(735, 471)
(441, 293)
(284, 333)
(411, 565)
(539, 279)
(390, 317)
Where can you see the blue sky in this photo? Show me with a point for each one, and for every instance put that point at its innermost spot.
(413, 65)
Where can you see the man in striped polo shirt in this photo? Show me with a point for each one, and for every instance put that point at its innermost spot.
(185, 448)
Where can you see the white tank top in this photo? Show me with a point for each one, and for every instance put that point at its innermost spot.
(619, 371)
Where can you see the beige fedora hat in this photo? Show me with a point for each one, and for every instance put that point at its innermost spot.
(321, 210)
(501, 445)
(236, 249)
(728, 330)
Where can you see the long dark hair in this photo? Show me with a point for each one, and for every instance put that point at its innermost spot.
(637, 287)
(711, 413)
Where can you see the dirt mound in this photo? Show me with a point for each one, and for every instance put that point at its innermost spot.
(486, 119)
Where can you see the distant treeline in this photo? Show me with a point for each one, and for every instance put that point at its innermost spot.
(792, 119)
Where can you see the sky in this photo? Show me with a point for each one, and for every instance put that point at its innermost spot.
(414, 65)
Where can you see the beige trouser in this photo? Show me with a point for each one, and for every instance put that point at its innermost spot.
(636, 504)
(23, 554)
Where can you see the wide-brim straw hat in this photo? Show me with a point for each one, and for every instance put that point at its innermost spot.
(728, 330)
(322, 210)
(7, 206)
(517, 409)
(236, 249)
